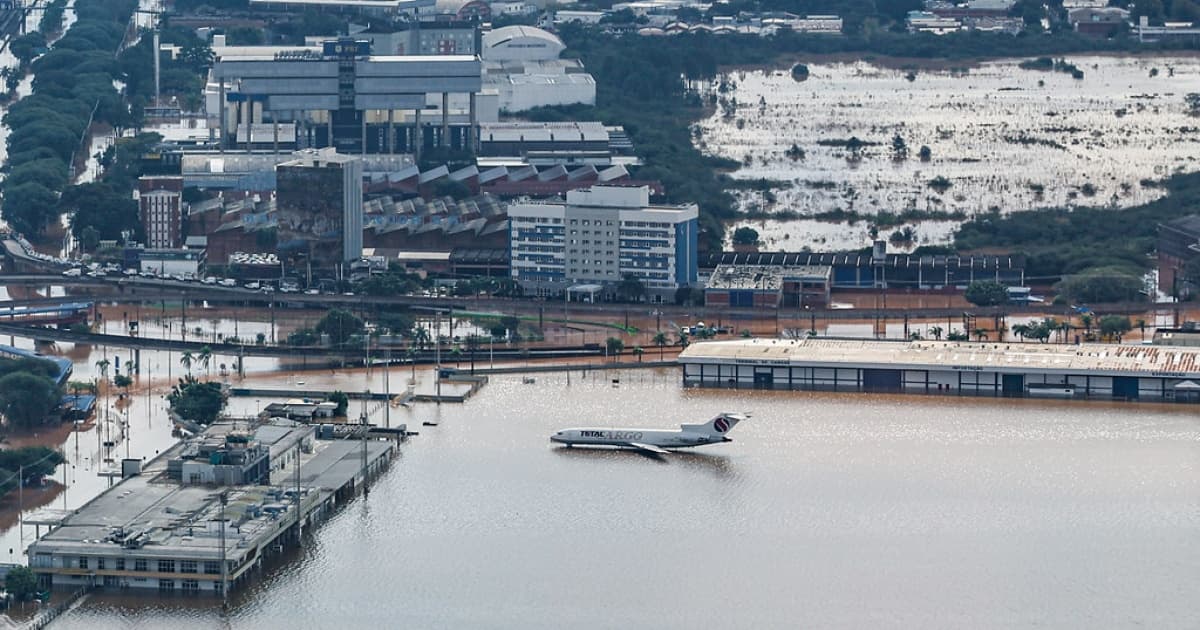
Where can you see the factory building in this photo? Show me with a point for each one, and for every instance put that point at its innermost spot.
(522, 67)
(341, 95)
(599, 236)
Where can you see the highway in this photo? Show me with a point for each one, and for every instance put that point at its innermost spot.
(133, 289)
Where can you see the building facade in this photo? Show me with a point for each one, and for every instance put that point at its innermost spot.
(598, 237)
(1178, 243)
(160, 205)
(319, 209)
(341, 95)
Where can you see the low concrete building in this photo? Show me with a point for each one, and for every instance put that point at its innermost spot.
(767, 286)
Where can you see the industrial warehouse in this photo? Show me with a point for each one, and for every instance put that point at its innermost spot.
(1098, 371)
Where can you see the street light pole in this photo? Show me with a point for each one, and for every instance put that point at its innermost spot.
(224, 567)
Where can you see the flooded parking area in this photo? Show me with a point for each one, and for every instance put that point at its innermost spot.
(999, 136)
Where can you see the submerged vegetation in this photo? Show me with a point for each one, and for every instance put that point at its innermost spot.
(1112, 244)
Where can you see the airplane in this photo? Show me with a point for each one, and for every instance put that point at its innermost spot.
(655, 441)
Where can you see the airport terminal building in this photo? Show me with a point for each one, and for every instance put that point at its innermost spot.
(1096, 371)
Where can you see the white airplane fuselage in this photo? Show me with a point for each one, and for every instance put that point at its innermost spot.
(653, 440)
(662, 438)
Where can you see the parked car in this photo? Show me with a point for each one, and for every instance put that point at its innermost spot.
(209, 280)
(228, 282)
(253, 286)
(73, 273)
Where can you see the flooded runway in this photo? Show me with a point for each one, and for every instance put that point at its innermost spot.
(826, 511)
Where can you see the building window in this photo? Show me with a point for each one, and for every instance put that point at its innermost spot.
(187, 566)
(166, 585)
(212, 567)
(190, 586)
(120, 564)
(83, 562)
(166, 566)
(100, 564)
(139, 564)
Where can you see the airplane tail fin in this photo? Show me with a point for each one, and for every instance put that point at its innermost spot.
(719, 425)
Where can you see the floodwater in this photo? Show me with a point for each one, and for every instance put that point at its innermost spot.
(843, 511)
(1004, 137)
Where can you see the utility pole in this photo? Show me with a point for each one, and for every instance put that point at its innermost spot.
(437, 353)
(224, 564)
(387, 388)
(363, 437)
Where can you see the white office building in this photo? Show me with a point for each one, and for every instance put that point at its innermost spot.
(600, 235)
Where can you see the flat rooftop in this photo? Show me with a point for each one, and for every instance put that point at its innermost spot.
(764, 277)
(182, 521)
(1107, 359)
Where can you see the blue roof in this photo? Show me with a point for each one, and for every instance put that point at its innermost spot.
(69, 307)
(62, 365)
(82, 402)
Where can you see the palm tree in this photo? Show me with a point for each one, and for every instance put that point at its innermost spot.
(1141, 324)
(205, 359)
(683, 339)
(638, 352)
(660, 340)
(421, 336)
(936, 331)
(1020, 330)
(185, 360)
(1086, 320)
(980, 334)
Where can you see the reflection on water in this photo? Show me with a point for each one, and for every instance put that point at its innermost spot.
(825, 511)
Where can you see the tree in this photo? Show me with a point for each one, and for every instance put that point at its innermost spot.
(342, 400)
(936, 331)
(124, 381)
(899, 148)
(660, 340)
(185, 359)
(1114, 326)
(200, 402)
(925, 154)
(260, 338)
(614, 346)
(89, 238)
(27, 399)
(745, 236)
(21, 583)
(340, 325)
(1087, 320)
(29, 207)
(638, 351)
(303, 337)
(986, 293)
(1020, 330)
(1101, 286)
(631, 288)
(205, 359)
(1141, 324)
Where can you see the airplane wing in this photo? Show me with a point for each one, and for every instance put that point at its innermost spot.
(649, 448)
